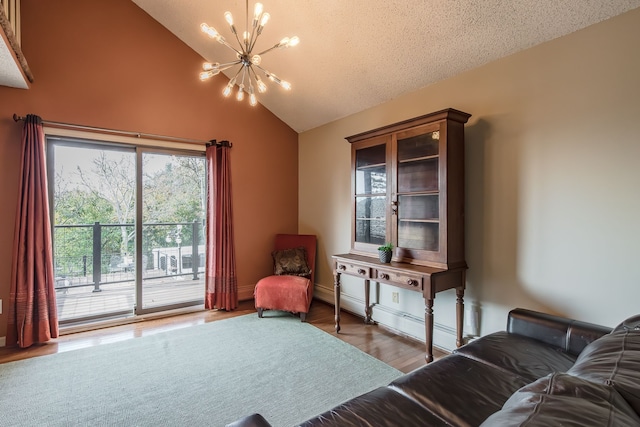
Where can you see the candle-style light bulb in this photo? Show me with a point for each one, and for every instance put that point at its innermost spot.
(228, 17)
(257, 11)
(264, 19)
(293, 41)
(262, 87)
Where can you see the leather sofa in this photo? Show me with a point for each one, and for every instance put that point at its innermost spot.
(544, 370)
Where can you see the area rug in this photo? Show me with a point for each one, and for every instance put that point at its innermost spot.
(209, 374)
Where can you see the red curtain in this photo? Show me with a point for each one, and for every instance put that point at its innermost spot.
(221, 277)
(33, 315)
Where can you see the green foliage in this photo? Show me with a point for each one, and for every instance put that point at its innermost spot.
(103, 190)
(387, 247)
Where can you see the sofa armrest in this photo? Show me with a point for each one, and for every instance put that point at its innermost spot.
(570, 335)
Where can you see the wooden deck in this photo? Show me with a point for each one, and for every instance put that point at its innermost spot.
(76, 302)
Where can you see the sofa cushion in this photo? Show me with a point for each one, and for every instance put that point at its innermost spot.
(614, 360)
(382, 407)
(564, 400)
(526, 357)
(460, 390)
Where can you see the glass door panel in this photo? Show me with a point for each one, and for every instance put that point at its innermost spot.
(418, 235)
(93, 229)
(371, 195)
(173, 212)
(418, 175)
(419, 207)
(418, 189)
(370, 220)
(422, 145)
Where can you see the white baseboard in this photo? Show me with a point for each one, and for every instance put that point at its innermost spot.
(444, 337)
(3, 341)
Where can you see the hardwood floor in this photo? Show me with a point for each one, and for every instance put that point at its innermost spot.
(404, 354)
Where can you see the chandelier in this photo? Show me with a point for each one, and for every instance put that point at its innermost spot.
(246, 77)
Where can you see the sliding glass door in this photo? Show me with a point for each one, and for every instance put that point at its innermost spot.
(128, 228)
(172, 244)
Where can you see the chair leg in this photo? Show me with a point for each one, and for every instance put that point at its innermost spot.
(260, 312)
(303, 317)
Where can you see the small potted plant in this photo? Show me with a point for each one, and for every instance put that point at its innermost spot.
(385, 252)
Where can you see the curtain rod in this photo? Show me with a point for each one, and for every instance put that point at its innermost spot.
(126, 133)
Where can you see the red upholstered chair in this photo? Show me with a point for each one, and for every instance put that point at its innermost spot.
(290, 288)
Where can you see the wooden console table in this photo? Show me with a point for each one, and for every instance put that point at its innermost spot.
(428, 280)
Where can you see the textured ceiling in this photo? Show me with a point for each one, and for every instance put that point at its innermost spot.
(355, 54)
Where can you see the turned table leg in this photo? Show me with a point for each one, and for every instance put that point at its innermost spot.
(428, 325)
(459, 314)
(367, 305)
(336, 294)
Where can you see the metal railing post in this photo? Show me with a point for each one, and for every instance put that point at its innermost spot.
(97, 256)
(195, 256)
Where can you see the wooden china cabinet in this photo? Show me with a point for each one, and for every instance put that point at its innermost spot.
(407, 188)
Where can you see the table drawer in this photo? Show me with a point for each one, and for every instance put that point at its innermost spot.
(353, 269)
(400, 279)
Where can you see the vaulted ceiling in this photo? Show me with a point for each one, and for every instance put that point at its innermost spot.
(355, 54)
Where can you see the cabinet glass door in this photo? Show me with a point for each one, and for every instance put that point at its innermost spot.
(418, 191)
(371, 195)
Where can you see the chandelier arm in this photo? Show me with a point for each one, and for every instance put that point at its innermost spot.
(270, 49)
(239, 43)
(253, 39)
(266, 72)
(244, 74)
(235, 77)
(251, 70)
(250, 81)
(228, 65)
(224, 42)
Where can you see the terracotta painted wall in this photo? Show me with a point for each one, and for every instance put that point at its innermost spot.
(106, 63)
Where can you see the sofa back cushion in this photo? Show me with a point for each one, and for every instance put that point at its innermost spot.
(459, 390)
(572, 336)
(520, 355)
(564, 400)
(614, 360)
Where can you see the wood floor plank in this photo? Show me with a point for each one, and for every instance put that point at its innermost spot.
(401, 352)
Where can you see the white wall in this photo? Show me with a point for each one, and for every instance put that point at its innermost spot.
(552, 182)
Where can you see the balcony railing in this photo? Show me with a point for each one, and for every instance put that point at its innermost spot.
(95, 255)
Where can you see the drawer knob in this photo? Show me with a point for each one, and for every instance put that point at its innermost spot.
(383, 276)
(412, 282)
(362, 271)
(342, 267)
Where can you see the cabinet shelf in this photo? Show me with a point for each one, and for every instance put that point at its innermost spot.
(419, 193)
(374, 166)
(418, 159)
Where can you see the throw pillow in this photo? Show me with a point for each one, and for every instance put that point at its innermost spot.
(291, 262)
